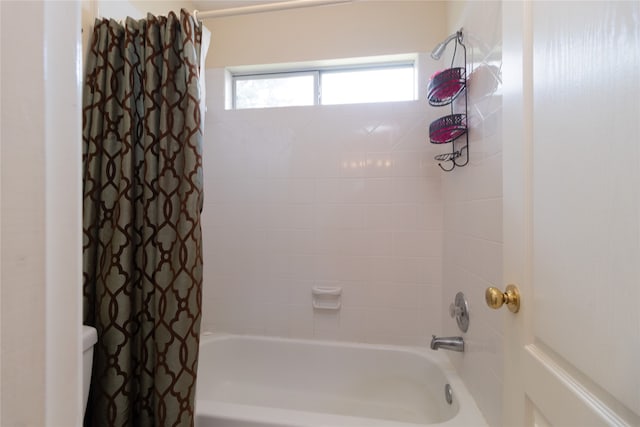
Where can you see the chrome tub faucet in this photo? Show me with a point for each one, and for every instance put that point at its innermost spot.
(447, 343)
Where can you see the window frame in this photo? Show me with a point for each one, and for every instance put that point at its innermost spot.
(317, 72)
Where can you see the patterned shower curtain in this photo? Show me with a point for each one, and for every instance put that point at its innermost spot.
(142, 246)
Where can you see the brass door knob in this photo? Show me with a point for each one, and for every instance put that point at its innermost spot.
(496, 298)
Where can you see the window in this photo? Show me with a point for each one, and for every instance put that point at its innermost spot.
(344, 84)
(368, 85)
(275, 90)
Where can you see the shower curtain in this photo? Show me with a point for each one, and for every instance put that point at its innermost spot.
(142, 189)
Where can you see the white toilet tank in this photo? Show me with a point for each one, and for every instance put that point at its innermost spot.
(89, 339)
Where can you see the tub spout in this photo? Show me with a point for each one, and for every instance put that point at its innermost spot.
(447, 343)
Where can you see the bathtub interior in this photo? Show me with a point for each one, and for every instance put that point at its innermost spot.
(338, 379)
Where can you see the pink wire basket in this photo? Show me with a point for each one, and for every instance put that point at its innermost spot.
(445, 86)
(447, 128)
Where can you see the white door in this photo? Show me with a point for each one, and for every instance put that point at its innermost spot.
(572, 212)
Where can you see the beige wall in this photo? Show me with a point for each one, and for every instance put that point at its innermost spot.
(363, 28)
(23, 305)
(120, 9)
(41, 242)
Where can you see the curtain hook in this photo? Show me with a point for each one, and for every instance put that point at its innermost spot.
(195, 15)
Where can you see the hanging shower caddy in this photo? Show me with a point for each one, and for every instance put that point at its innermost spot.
(444, 88)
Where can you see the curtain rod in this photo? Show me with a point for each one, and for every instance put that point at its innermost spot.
(268, 7)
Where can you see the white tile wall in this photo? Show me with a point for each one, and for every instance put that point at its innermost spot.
(322, 196)
(472, 199)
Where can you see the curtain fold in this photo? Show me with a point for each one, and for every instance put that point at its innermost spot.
(142, 191)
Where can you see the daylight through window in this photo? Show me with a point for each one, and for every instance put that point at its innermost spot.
(362, 84)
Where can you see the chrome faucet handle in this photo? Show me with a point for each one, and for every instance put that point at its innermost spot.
(454, 311)
(460, 311)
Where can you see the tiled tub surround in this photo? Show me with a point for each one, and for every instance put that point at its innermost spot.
(472, 198)
(343, 196)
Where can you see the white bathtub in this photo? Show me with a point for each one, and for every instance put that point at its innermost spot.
(246, 381)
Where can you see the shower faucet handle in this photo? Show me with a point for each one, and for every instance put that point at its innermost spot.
(460, 311)
(454, 311)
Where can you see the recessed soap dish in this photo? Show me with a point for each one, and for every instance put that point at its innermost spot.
(326, 297)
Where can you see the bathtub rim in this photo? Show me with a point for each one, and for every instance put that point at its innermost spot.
(468, 411)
